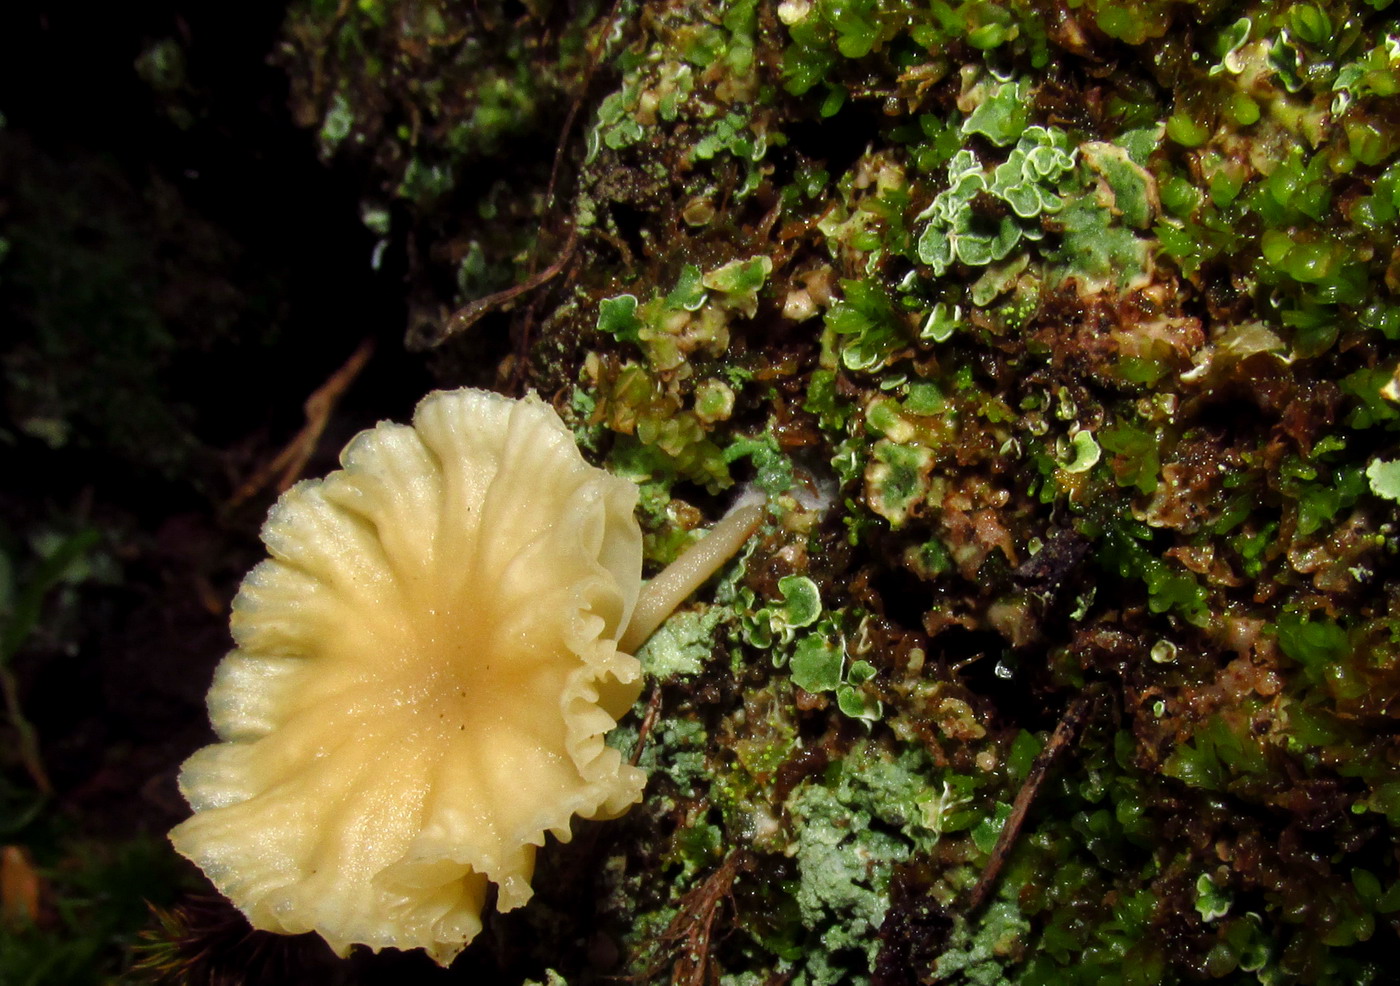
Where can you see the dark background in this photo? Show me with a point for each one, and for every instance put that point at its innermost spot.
(178, 274)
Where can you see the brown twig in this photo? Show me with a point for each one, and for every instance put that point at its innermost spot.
(691, 931)
(287, 466)
(526, 329)
(594, 57)
(472, 312)
(1065, 731)
(648, 721)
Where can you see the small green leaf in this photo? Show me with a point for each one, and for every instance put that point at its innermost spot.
(1384, 478)
(925, 399)
(1212, 902)
(988, 831)
(942, 321)
(1086, 452)
(689, 292)
(61, 562)
(1232, 39)
(1243, 109)
(1310, 23)
(835, 99)
(618, 318)
(816, 664)
(860, 672)
(855, 33)
(802, 601)
(822, 400)
(739, 276)
(936, 249)
(1024, 749)
(1186, 131)
(1002, 116)
(857, 705)
(1318, 645)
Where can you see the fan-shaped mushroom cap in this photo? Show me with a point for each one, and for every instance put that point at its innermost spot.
(424, 673)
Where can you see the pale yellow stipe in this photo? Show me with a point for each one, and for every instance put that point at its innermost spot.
(660, 597)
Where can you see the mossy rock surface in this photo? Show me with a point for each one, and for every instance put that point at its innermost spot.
(1062, 340)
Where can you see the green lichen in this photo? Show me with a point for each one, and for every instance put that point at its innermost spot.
(898, 480)
(818, 662)
(682, 645)
(1026, 182)
(845, 864)
(978, 950)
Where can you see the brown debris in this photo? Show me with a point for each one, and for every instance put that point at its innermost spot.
(20, 886)
(690, 931)
(1055, 747)
(286, 467)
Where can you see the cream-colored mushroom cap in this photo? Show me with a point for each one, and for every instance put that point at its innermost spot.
(424, 672)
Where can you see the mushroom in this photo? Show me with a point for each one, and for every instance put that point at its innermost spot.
(424, 673)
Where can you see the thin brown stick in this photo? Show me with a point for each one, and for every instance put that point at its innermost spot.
(691, 932)
(648, 722)
(526, 327)
(286, 467)
(594, 57)
(1065, 731)
(472, 312)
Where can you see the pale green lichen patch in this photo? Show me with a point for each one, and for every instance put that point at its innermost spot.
(844, 861)
(818, 662)
(779, 622)
(1001, 113)
(978, 950)
(1384, 478)
(1084, 452)
(682, 645)
(1132, 191)
(897, 480)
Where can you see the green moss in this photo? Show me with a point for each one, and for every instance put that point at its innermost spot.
(1125, 322)
(864, 319)
(102, 894)
(1169, 586)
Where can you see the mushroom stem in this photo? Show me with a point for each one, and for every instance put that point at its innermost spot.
(660, 596)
